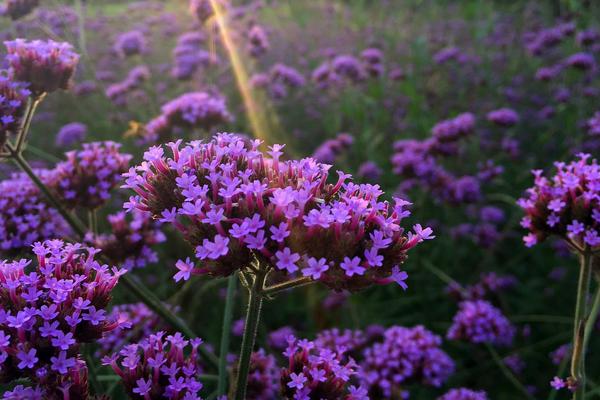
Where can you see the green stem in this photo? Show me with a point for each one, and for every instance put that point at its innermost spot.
(507, 373)
(93, 221)
(255, 299)
(79, 8)
(591, 322)
(75, 224)
(32, 105)
(280, 287)
(581, 314)
(226, 333)
(92, 373)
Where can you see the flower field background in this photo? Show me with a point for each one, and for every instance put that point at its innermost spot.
(303, 199)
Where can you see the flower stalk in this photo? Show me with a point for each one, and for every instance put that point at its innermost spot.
(580, 321)
(225, 334)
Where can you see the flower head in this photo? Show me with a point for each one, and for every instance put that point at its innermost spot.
(464, 394)
(233, 203)
(478, 321)
(45, 65)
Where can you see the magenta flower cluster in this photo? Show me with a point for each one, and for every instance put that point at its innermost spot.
(195, 110)
(464, 394)
(566, 205)
(478, 321)
(45, 65)
(234, 203)
(189, 55)
(404, 356)
(159, 367)
(263, 379)
(25, 216)
(70, 134)
(48, 312)
(130, 242)
(417, 162)
(331, 149)
(87, 176)
(317, 373)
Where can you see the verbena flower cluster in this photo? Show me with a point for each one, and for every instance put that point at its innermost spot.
(464, 394)
(417, 162)
(478, 321)
(25, 217)
(130, 242)
(203, 9)
(47, 313)
(233, 203)
(130, 43)
(196, 110)
(70, 134)
(405, 356)
(331, 149)
(278, 80)
(189, 55)
(566, 205)
(86, 178)
(45, 65)
(258, 41)
(316, 373)
(118, 92)
(159, 367)
(13, 99)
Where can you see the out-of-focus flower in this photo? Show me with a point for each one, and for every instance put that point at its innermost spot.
(45, 65)
(330, 149)
(130, 43)
(503, 117)
(25, 217)
(117, 92)
(86, 178)
(233, 203)
(405, 356)
(130, 243)
(583, 61)
(464, 394)
(159, 367)
(263, 379)
(258, 41)
(203, 9)
(479, 321)
(70, 134)
(593, 124)
(369, 171)
(562, 353)
(566, 205)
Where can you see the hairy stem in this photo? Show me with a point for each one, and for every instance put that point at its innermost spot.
(581, 315)
(225, 334)
(280, 287)
(255, 299)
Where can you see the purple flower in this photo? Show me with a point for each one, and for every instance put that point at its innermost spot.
(464, 394)
(315, 268)
(130, 43)
(27, 359)
(503, 117)
(70, 134)
(16, 9)
(45, 65)
(287, 260)
(13, 98)
(479, 321)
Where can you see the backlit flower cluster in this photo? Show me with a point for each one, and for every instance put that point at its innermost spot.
(405, 356)
(566, 205)
(195, 110)
(159, 367)
(48, 312)
(235, 204)
(25, 217)
(13, 99)
(130, 243)
(342, 68)
(45, 65)
(478, 321)
(203, 9)
(16, 9)
(87, 176)
(258, 41)
(70, 134)
(279, 80)
(316, 373)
